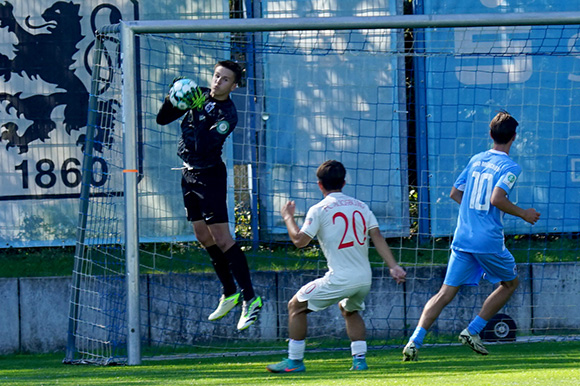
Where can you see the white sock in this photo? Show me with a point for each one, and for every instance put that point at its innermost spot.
(296, 349)
(358, 348)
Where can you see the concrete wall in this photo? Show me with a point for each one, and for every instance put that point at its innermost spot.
(9, 316)
(34, 311)
(34, 314)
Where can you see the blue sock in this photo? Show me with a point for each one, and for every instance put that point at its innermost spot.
(418, 336)
(476, 325)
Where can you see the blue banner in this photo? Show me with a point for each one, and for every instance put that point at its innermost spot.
(334, 95)
(530, 71)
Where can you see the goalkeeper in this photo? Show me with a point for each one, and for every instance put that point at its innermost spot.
(210, 117)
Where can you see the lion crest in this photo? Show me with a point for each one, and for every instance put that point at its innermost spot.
(47, 56)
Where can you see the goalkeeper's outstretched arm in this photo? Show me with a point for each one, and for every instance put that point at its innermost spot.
(168, 113)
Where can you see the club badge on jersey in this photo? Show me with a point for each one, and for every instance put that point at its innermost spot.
(223, 127)
(510, 179)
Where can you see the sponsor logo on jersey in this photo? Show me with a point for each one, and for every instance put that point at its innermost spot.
(209, 107)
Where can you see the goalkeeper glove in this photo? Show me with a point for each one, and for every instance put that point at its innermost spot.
(195, 99)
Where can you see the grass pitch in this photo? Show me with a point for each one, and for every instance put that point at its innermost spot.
(543, 363)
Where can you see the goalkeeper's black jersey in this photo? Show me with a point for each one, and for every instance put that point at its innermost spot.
(204, 131)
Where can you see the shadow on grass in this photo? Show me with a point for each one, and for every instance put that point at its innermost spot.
(544, 363)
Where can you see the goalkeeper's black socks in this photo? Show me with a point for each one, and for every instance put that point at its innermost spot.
(240, 270)
(222, 269)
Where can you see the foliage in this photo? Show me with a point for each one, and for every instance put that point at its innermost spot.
(243, 221)
(414, 210)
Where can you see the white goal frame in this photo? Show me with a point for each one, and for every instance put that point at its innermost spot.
(130, 30)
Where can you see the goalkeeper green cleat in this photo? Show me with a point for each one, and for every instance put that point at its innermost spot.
(250, 311)
(287, 366)
(225, 306)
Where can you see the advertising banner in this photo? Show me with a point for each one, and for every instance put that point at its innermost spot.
(45, 68)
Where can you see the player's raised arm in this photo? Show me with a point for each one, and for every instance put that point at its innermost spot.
(299, 239)
(384, 251)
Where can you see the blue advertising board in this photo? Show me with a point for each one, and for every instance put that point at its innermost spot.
(530, 71)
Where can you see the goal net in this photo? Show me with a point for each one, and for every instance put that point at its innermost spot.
(403, 104)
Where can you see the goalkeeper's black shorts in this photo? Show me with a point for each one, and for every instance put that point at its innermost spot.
(205, 194)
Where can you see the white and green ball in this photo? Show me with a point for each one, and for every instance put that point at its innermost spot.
(181, 93)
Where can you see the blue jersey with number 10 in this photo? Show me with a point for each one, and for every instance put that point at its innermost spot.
(480, 224)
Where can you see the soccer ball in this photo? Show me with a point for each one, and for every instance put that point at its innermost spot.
(181, 93)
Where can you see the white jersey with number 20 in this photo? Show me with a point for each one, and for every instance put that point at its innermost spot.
(342, 225)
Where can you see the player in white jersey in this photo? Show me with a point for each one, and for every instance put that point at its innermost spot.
(343, 225)
(478, 247)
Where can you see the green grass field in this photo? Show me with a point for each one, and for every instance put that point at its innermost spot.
(544, 363)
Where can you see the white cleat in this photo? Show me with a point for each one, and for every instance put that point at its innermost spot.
(473, 342)
(410, 352)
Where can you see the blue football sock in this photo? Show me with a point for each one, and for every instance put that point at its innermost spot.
(418, 336)
(476, 325)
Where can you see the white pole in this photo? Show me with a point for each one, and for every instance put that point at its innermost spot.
(131, 173)
(355, 22)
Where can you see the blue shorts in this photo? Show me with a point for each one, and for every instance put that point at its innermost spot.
(467, 268)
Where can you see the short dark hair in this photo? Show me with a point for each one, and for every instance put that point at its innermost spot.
(503, 127)
(331, 175)
(233, 67)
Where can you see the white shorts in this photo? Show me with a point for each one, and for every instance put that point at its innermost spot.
(321, 294)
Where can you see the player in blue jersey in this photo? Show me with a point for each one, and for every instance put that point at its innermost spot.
(478, 247)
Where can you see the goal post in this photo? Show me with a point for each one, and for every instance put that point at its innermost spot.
(321, 88)
(130, 173)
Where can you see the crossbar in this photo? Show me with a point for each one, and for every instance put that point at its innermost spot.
(353, 22)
